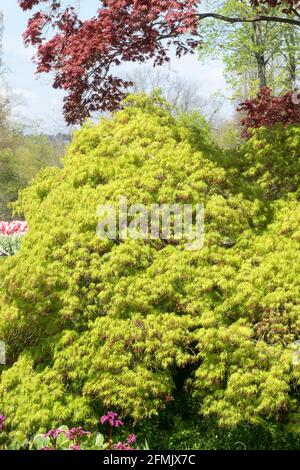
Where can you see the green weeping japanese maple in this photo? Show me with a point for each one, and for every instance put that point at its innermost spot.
(93, 324)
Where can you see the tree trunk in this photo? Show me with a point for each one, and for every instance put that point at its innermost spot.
(291, 46)
(259, 55)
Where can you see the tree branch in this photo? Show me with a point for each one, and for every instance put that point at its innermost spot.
(254, 19)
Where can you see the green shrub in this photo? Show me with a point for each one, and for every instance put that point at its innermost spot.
(271, 159)
(94, 324)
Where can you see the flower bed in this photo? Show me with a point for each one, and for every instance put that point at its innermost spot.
(75, 438)
(10, 236)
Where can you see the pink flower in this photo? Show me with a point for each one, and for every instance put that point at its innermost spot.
(75, 433)
(15, 227)
(131, 439)
(112, 419)
(53, 433)
(122, 446)
(2, 421)
(126, 445)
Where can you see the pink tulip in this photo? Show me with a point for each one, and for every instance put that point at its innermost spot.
(15, 227)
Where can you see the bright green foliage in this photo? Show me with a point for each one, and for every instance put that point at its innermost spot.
(256, 348)
(88, 442)
(94, 324)
(272, 160)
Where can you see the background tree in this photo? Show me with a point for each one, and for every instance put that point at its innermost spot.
(291, 57)
(21, 158)
(255, 55)
(183, 95)
(23, 153)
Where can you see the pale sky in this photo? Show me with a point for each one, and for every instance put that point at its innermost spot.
(38, 103)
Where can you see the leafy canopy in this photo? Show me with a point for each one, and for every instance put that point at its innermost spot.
(83, 54)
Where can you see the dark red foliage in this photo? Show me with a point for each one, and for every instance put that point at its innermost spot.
(83, 55)
(265, 110)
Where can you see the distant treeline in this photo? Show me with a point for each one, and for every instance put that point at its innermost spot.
(21, 157)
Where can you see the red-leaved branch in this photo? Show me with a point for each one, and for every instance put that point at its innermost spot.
(265, 110)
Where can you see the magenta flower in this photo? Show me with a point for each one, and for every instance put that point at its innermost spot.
(131, 439)
(126, 445)
(122, 446)
(112, 419)
(75, 433)
(2, 421)
(53, 433)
